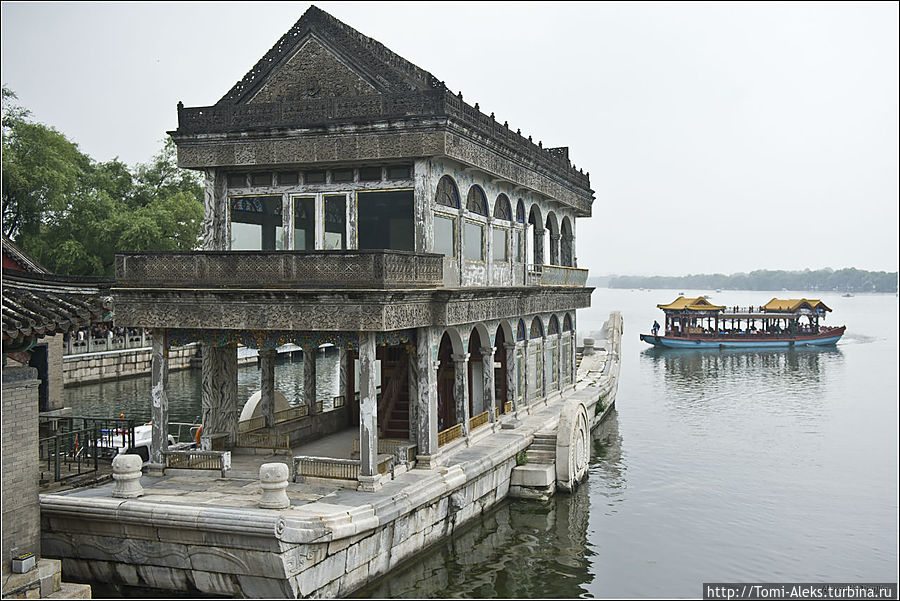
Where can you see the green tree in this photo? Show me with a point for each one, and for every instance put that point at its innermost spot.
(72, 213)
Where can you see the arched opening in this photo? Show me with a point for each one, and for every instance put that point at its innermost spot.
(500, 229)
(536, 230)
(501, 391)
(476, 375)
(552, 238)
(445, 379)
(566, 242)
(519, 241)
(536, 359)
(446, 217)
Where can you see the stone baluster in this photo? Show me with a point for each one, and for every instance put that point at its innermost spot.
(273, 480)
(127, 475)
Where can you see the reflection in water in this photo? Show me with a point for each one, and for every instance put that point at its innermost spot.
(132, 396)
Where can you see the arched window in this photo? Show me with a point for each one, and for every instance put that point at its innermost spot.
(447, 193)
(501, 208)
(567, 323)
(476, 202)
(520, 211)
(537, 329)
(553, 328)
(520, 330)
(444, 241)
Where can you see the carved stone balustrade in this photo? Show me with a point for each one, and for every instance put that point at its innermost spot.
(323, 269)
(555, 275)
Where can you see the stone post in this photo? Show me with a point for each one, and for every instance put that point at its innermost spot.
(461, 389)
(568, 245)
(487, 362)
(127, 474)
(159, 401)
(216, 226)
(267, 385)
(309, 377)
(368, 414)
(218, 391)
(426, 400)
(554, 248)
(511, 379)
(588, 346)
(287, 222)
(538, 245)
(273, 480)
(422, 197)
(346, 364)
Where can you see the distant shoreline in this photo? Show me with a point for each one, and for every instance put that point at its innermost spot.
(823, 280)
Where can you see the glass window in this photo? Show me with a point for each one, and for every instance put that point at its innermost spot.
(499, 249)
(476, 201)
(237, 180)
(447, 194)
(342, 175)
(304, 223)
(288, 178)
(261, 179)
(399, 172)
(335, 222)
(254, 222)
(315, 177)
(385, 220)
(444, 235)
(369, 174)
(474, 241)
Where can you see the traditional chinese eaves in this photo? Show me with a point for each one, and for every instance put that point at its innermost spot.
(44, 304)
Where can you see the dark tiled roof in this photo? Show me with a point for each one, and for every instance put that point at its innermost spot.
(22, 258)
(46, 304)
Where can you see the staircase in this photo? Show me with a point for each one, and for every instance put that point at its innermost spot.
(393, 407)
(536, 478)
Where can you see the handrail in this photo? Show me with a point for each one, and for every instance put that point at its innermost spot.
(263, 440)
(198, 460)
(449, 435)
(74, 448)
(334, 468)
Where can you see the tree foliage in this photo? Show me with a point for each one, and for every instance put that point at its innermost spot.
(843, 280)
(72, 213)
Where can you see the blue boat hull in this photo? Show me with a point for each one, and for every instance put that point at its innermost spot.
(696, 343)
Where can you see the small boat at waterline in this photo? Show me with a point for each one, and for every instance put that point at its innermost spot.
(697, 323)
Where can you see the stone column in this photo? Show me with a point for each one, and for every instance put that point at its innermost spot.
(511, 379)
(159, 402)
(487, 362)
(568, 245)
(554, 248)
(368, 413)
(216, 225)
(412, 387)
(219, 403)
(344, 376)
(425, 399)
(461, 389)
(352, 221)
(309, 377)
(267, 385)
(287, 222)
(538, 245)
(422, 197)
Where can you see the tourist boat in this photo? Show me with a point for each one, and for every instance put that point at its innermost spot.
(697, 323)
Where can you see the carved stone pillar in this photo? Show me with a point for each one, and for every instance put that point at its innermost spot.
(267, 385)
(422, 197)
(368, 413)
(216, 234)
(554, 248)
(511, 380)
(218, 391)
(538, 245)
(309, 378)
(566, 251)
(487, 362)
(159, 401)
(287, 222)
(346, 364)
(461, 389)
(425, 399)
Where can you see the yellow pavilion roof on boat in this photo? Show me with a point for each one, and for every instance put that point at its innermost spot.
(691, 304)
(794, 304)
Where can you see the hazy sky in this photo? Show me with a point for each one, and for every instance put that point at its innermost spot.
(719, 137)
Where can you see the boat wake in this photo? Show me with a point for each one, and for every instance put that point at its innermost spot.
(857, 339)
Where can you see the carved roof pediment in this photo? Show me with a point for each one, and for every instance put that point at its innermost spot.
(321, 57)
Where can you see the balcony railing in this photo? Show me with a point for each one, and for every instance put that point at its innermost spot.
(557, 275)
(360, 269)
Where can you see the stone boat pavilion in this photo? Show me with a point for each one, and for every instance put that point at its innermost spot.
(353, 200)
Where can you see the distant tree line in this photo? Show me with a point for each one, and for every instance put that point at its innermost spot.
(72, 213)
(842, 280)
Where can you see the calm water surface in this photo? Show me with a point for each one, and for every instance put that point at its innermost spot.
(718, 466)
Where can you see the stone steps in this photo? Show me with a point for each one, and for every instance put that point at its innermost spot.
(71, 590)
(541, 457)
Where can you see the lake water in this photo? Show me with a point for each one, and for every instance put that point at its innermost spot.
(718, 466)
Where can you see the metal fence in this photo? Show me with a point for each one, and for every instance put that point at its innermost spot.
(68, 454)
